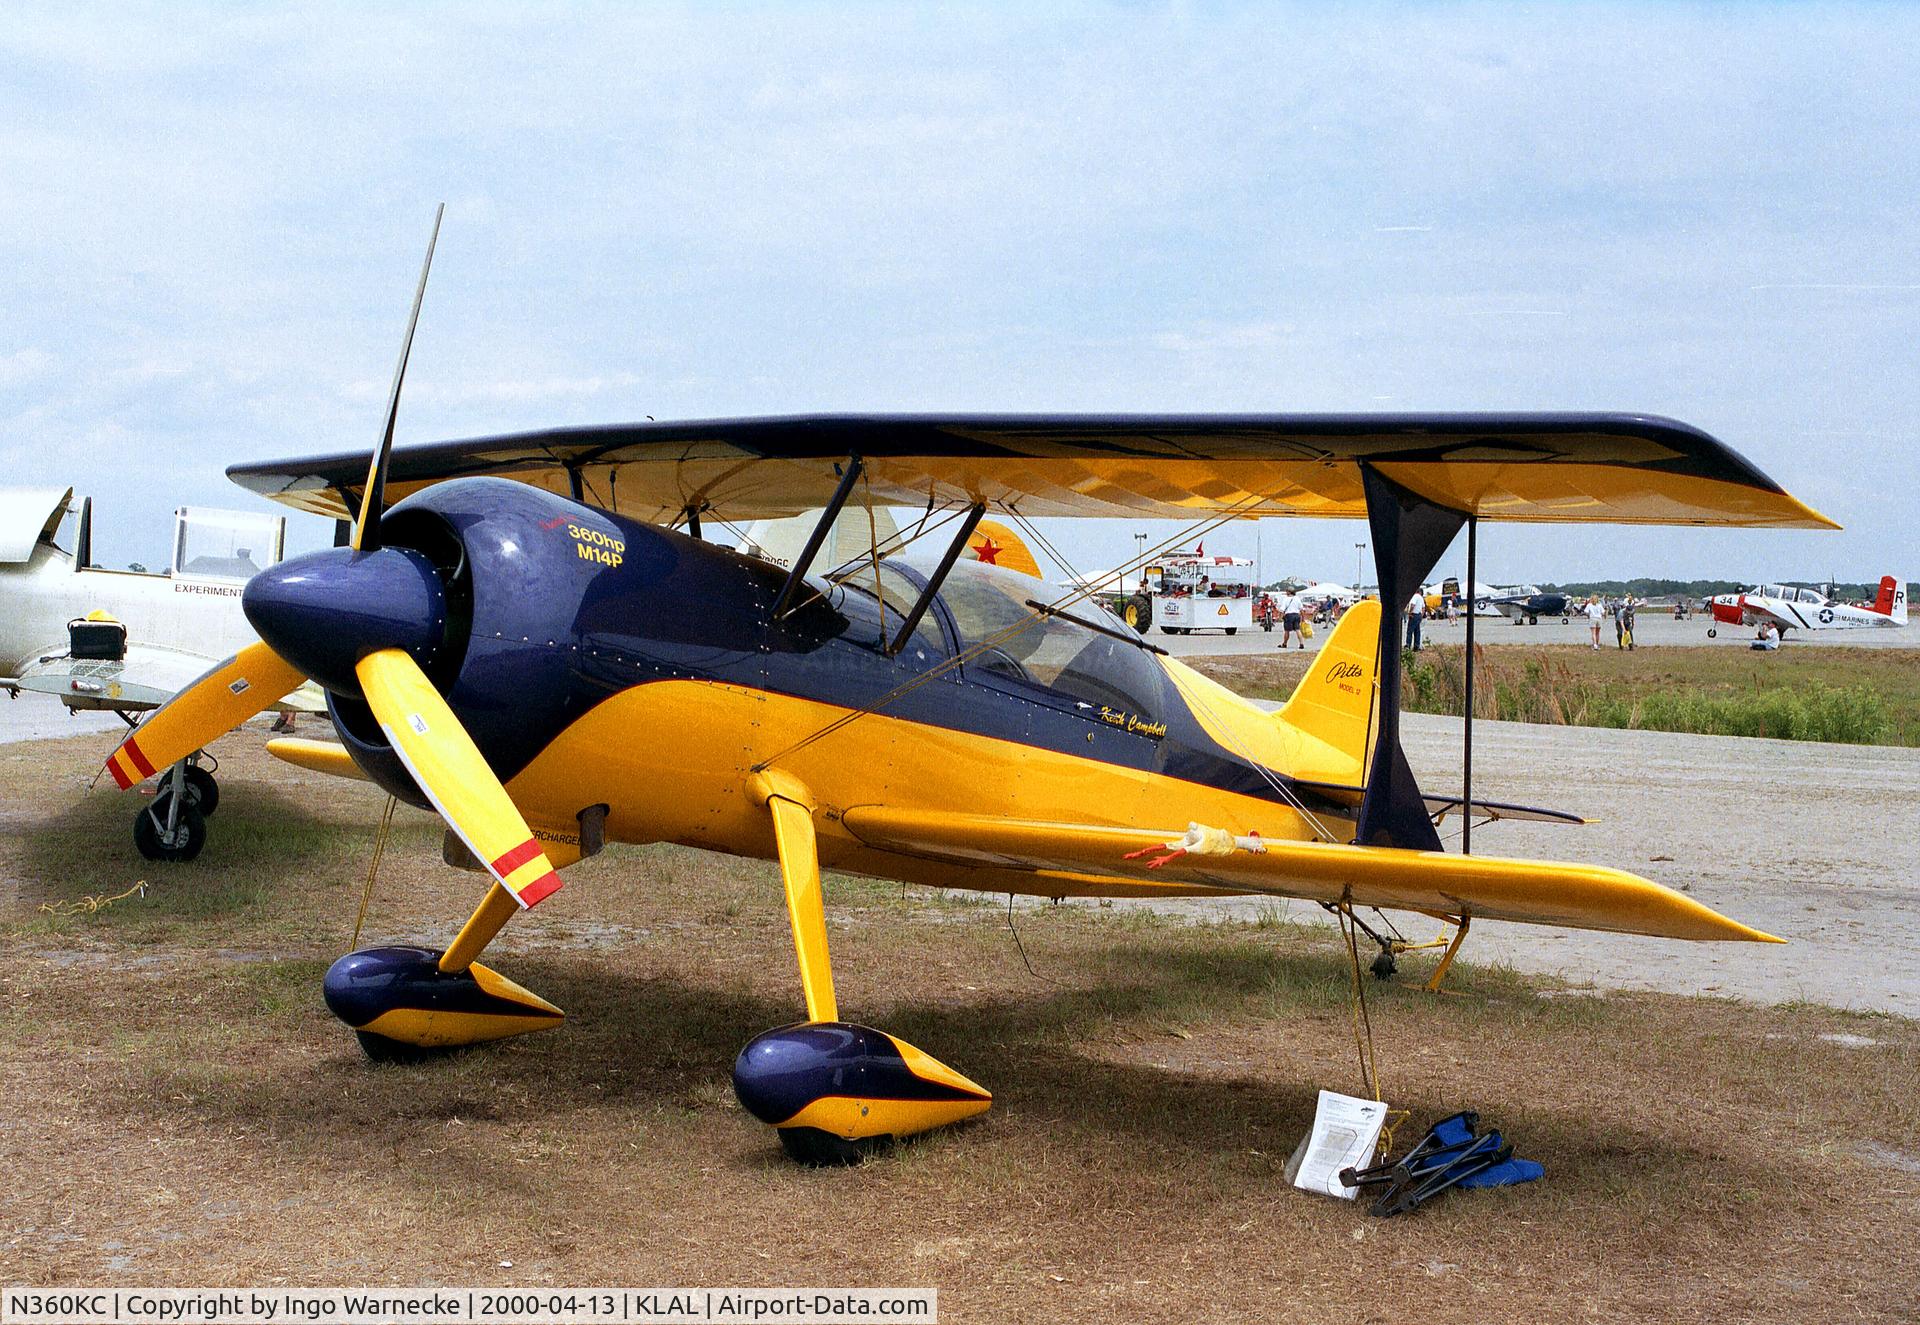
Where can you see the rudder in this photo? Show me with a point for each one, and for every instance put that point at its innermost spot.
(1892, 600)
(1334, 704)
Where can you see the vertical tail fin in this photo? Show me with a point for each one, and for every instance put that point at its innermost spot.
(997, 545)
(1892, 601)
(1333, 706)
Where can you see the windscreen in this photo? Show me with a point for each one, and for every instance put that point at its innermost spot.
(1004, 637)
(225, 545)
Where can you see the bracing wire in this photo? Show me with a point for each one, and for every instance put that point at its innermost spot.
(373, 868)
(1022, 948)
(1362, 1022)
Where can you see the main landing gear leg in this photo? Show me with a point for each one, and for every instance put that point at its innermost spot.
(834, 1090)
(409, 1003)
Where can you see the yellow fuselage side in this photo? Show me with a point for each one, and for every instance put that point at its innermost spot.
(671, 760)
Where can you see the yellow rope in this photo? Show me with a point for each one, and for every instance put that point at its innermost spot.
(91, 903)
(373, 868)
(1363, 1024)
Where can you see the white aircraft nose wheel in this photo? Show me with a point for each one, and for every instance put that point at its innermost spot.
(1711, 632)
(163, 832)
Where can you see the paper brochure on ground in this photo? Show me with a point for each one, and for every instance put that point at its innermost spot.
(1345, 1133)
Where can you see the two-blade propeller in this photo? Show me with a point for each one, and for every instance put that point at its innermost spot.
(311, 608)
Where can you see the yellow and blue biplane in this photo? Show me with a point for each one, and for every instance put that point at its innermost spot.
(527, 634)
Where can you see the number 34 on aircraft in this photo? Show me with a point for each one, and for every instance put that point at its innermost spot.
(518, 637)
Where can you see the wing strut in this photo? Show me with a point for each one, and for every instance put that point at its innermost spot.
(804, 562)
(1466, 745)
(938, 578)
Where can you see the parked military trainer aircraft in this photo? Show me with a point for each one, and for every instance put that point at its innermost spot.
(1792, 608)
(522, 643)
(126, 641)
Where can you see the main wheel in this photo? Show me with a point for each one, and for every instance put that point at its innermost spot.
(203, 793)
(178, 844)
(820, 1150)
(380, 1049)
(1233, 630)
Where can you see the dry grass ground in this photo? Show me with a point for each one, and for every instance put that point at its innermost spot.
(182, 1110)
(1610, 687)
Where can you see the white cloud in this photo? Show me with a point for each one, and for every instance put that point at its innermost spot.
(214, 218)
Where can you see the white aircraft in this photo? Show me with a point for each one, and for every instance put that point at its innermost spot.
(1515, 601)
(1791, 608)
(128, 641)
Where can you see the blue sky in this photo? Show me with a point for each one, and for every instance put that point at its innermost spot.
(211, 220)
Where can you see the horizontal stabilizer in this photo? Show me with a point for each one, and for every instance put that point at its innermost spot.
(1438, 806)
(1572, 896)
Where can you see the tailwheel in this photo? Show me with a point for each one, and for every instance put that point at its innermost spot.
(168, 833)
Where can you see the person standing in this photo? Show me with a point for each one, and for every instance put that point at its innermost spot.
(1290, 619)
(1416, 614)
(1593, 614)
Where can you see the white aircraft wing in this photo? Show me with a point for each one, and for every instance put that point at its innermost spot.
(1755, 610)
(147, 677)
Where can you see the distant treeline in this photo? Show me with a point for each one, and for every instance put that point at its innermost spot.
(1645, 588)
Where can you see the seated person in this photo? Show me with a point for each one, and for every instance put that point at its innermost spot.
(1768, 637)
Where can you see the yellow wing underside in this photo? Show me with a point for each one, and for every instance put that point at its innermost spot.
(1618, 469)
(1571, 896)
(1088, 486)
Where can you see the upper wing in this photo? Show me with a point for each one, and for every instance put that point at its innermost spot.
(1484, 887)
(1609, 468)
(147, 677)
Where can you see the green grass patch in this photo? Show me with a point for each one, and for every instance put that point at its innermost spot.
(1800, 697)
(1849, 695)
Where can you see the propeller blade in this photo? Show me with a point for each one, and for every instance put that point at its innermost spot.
(366, 532)
(443, 760)
(252, 680)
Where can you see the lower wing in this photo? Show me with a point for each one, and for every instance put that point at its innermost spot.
(1484, 887)
(146, 676)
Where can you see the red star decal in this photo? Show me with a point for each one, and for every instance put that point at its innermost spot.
(988, 551)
